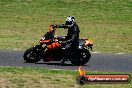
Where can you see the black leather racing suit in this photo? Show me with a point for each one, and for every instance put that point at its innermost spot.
(71, 39)
(72, 35)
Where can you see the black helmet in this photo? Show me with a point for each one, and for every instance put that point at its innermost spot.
(70, 20)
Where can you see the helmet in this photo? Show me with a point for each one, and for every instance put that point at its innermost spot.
(70, 20)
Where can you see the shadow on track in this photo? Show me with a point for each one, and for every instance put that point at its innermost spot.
(58, 64)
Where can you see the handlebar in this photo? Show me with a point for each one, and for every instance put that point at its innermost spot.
(52, 28)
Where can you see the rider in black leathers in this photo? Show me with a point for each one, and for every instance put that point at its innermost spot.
(72, 35)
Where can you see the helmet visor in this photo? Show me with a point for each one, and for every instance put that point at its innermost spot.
(68, 23)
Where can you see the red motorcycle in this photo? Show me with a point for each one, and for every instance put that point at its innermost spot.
(52, 49)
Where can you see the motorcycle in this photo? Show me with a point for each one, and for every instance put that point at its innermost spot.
(52, 49)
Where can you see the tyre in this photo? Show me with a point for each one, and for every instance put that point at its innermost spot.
(31, 56)
(81, 58)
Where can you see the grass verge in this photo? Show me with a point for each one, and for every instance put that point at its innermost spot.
(107, 22)
(18, 77)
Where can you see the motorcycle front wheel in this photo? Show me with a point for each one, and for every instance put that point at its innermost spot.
(81, 58)
(31, 56)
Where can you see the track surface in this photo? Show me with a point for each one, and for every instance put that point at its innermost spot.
(98, 62)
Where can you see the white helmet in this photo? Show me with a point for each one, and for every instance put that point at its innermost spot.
(70, 20)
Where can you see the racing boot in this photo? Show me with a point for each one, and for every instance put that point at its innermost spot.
(63, 61)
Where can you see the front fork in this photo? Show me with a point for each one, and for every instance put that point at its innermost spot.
(39, 50)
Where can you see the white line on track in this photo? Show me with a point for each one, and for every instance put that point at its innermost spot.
(119, 53)
(108, 53)
(95, 52)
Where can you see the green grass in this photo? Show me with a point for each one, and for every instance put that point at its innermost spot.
(18, 77)
(107, 22)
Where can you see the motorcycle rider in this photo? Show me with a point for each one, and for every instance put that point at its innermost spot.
(72, 36)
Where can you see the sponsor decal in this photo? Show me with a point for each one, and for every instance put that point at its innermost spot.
(84, 78)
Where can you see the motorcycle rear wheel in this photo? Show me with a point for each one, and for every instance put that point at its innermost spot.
(82, 58)
(30, 56)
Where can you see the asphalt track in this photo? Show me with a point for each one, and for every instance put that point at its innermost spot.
(98, 62)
